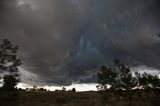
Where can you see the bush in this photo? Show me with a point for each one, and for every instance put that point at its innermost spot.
(73, 90)
(9, 82)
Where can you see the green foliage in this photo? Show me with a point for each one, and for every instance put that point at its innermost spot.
(9, 62)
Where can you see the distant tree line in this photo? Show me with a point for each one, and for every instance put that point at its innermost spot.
(35, 88)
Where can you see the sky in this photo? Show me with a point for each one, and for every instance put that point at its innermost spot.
(64, 42)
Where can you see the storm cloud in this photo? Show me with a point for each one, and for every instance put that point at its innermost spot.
(65, 41)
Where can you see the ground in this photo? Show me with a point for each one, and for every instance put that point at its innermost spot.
(28, 98)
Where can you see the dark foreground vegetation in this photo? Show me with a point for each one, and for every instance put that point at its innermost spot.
(107, 98)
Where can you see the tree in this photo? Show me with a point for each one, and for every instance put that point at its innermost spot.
(118, 76)
(63, 89)
(9, 82)
(34, 88)
(9, 62)
(73, 89)
(146, 80)
(106, 77)
(155, 82)
(125, 79)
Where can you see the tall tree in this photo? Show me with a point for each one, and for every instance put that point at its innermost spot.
(9, 63)
(118, 76)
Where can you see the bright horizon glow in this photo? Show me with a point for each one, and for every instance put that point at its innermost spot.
(79, 87)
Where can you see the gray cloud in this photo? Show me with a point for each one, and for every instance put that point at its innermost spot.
(63, 41)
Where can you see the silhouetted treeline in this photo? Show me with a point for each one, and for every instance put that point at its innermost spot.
(120, 81)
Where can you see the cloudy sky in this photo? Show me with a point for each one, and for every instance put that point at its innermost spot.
(65, 41)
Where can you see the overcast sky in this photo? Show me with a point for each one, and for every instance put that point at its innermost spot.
(65, 41)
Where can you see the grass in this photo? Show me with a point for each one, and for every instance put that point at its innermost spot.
(23, 98)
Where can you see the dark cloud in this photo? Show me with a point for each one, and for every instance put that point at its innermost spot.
(65, 41)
